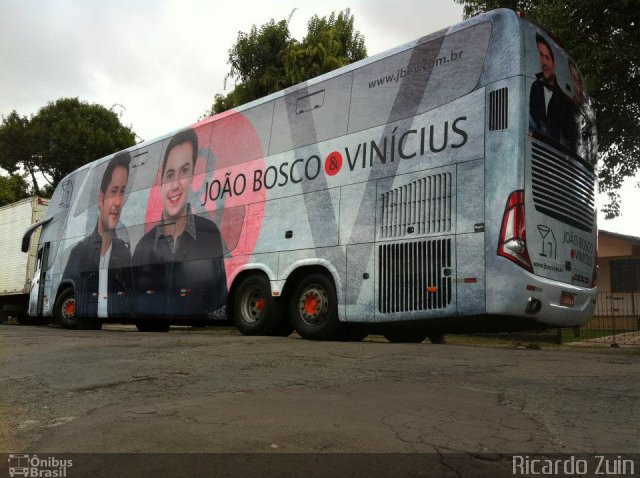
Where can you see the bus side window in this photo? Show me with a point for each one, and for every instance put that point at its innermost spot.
(65, 193)
(311, 115)
(67, 188)
(239, 137)
(260, 117)
(142, 168)
(438, 69)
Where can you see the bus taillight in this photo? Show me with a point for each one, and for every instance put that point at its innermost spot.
(513, 237)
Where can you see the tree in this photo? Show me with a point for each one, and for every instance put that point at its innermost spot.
(60, 138)
(330, 43)
(12, 189)
(257, 64)
(267, 59)
(603, 37)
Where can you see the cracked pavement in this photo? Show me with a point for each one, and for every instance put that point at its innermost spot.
(211, 390)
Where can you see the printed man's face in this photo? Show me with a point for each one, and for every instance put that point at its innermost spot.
(111, 201)
(176, 181)
(547, 63)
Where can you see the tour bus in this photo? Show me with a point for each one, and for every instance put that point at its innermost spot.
(445, 185)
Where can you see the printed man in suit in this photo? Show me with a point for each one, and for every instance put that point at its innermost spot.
(178, 264)
(549, 109)
(100, 264)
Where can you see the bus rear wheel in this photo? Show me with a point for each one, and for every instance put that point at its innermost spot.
(255, 311)
(65, 309)
(314, 308)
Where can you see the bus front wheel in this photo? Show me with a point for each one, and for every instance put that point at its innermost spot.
(314, 308)
(255, 311)
(65, 309)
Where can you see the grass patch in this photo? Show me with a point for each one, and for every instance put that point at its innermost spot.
(568, 335)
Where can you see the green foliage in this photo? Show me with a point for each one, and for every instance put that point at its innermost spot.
(15, 144)
(60, 138)
(12, 189)
(257, 61)
(603, 38)
(267, 59)
(330, 43)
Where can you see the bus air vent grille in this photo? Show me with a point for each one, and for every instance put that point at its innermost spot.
(499, 109)
(420, 207)
(562, 188)
(414, 276)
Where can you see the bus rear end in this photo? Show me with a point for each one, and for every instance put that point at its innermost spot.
(548, 230)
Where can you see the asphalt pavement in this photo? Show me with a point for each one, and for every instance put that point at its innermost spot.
(214, 391)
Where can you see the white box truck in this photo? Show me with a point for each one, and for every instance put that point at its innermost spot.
(17, 268)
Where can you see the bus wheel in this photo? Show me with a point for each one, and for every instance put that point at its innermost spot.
(65, 309)
(314, 308)
(255, 311)
(405, 337)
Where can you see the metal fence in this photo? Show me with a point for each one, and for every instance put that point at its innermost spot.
(616, 320)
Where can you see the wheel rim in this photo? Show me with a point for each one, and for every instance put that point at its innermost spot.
(252, 305)
(313, 305)
(69, 308)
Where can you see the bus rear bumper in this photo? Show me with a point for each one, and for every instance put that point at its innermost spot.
(546, 301)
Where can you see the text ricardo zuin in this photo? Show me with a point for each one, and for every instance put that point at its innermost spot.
(570, 465)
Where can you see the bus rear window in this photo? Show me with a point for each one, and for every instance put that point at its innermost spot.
(559, 107)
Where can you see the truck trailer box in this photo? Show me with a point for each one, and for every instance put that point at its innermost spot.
(16, 267)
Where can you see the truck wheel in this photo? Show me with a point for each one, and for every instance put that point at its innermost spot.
(65, 309)
(255, 311)
(314, 308)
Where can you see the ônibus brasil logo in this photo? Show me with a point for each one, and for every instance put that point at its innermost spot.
(33, 466)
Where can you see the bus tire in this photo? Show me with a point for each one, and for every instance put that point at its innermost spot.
(314, 308)
(405, 337)
(65, 309)
(153, 326)
(255, 311)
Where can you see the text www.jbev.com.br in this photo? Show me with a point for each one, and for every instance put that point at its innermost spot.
(416, 68)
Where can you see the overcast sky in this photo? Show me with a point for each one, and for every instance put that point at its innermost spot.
(162, 62)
